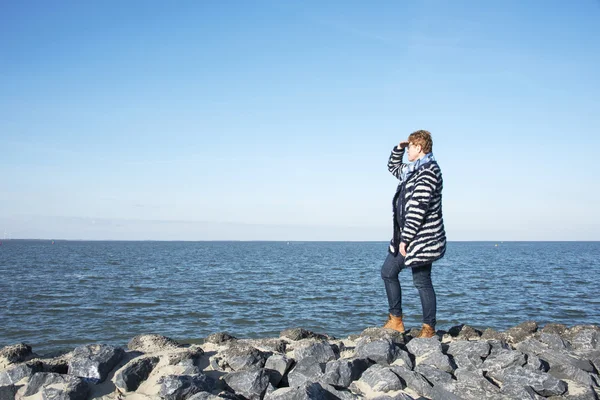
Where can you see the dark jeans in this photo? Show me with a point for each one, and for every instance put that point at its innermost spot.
(421, 279)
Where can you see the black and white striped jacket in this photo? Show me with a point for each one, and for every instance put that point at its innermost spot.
(417, 207)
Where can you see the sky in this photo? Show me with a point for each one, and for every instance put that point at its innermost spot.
(272, 120)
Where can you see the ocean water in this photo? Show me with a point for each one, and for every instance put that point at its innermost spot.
(58, 296)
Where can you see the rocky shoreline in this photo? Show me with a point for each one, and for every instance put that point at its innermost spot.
(524, 362)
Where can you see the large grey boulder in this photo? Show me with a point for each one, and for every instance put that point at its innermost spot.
(372, 334)
(473, 381)
(15, 353)
(515, 391)
(554, 341)
(586, 339)
(521, 332)
(178, 356)
(240, 358)
(129, 377)
(94, 362)
(268, 345)
(15, 373)
(219, 338)
(413, 380)
(341, 373)
(7, 392)
(404, 359)
(434, 375)
(464, 332)
(279, 364)
(151, 343)
(180, 387)
(544, 384)
(504, 359)
(306, 370)
(306, 391)
(295, 334)
(321, 351)
(381, 351)
(468, 354)
(552, 356)
(568, 371)
(379, 379)
(249, 384)
(50, 384)
(491, 334)
(559, 329)
(429, 351)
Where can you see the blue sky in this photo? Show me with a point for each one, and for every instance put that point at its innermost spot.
(269, 120)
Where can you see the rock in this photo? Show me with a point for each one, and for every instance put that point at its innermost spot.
(520, 392)
(220, 338)
(306, 391)
(413, 380)
(339, 393)
(399, 396)
(279, 364)
(551, 356)
(567, 371)
(249, 384)
(131, 375)
(192, 353)
(374, 334)
(543, 383)
(468, 354)
(382, 351)
(521, 332)
(379, 379)
(322, 351)
(306, 370)
(180, 387)
(15, 353)
(586, 339)
(7, 392)
(577, 391)
(536, 363)
(558, 329)
(93, 362)
(490, 334)
(571, 333)
(497, 346)
(554, 341)
(434, 375)
(341, 373)
(403, 359)
(504, 359)
(14, 374)
(239, 358)
(265, 345)
(295, 334)
(429, 351)
(72, 387)
(151, 343)
(423, 346)
(204, 396)
(475, 380)
(464, 332)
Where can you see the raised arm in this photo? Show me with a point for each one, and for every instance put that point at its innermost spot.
(395, 162)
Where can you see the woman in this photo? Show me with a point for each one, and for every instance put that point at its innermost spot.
(419, 238)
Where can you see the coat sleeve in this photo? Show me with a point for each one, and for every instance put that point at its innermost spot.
(395, 162)
(418, 204)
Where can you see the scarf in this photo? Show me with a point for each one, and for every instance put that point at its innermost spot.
(408, 169)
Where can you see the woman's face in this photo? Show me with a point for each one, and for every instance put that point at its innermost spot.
(413, 152)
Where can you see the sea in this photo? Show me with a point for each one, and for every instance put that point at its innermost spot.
(57, 295)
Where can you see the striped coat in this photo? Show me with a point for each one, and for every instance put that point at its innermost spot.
(417, 209)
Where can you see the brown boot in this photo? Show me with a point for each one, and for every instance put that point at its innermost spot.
(426, 332)
(395, 323)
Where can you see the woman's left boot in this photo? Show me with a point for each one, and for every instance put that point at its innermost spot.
(426, 332)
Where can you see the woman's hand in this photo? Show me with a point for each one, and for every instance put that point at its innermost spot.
(403, 249)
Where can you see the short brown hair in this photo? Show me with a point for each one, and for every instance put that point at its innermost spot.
(422, 138)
